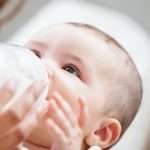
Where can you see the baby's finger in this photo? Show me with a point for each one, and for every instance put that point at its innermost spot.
(65, 107)
(56, 114)
(18, 107)
(55, 132)
(83, 112)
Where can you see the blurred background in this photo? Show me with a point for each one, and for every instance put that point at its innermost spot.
(128, 21)
(15, 13)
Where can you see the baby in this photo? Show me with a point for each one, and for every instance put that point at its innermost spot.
(96, 89)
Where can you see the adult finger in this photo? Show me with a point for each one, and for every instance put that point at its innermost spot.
(7, 91)
(15, 136)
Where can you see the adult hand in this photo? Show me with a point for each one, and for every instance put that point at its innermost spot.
(20, 111)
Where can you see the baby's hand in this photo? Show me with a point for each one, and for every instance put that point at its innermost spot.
(63, 126)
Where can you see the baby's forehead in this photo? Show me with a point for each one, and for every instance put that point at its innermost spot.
(69, 36)
(79, 42)
(63, 31)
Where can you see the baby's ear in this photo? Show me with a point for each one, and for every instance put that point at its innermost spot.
(108, 133)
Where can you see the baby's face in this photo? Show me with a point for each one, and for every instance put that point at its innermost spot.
(84, 65)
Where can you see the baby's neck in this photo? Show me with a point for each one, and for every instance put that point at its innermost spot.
(32, 146)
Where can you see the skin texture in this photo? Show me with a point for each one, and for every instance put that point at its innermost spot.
(81, 70)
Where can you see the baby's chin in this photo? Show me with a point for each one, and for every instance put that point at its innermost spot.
(40, 137)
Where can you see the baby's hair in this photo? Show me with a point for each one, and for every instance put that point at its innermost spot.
(127, 109)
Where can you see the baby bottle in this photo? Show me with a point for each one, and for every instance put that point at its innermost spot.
(20, 67)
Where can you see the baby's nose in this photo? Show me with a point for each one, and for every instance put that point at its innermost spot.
(50, 66)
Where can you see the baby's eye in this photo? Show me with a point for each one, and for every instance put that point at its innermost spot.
(72, 69)
(37, 53)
